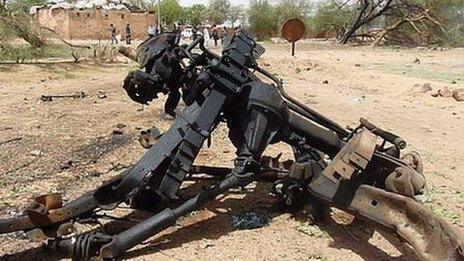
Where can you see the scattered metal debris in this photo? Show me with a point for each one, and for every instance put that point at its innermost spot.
(249, 220)
(149, 137)
(118, 132)
(49, 98)
(10, 140)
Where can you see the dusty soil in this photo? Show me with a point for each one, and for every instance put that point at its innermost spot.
(68, 146)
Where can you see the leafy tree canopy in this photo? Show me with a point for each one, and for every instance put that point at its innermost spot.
(218, 11)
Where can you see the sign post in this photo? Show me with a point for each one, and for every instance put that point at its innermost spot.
(293, 30)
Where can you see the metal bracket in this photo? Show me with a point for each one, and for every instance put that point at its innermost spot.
(353, 157)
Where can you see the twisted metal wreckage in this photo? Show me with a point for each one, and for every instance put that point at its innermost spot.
(359, 171)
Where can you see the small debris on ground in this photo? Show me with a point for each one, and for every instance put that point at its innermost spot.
(120, 125)
(102, 95)
(458, 94)
(249, 220)
(417, 61)
(426, 87)
(36, 153)
(325, 82)
(67, 165)
(10, 140)
(149, 137)
(117, 132)
(50, 98)
(445, 92)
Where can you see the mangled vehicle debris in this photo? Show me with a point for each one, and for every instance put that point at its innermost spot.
(361, 170)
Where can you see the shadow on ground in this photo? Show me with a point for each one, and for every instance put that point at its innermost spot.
(257, 200)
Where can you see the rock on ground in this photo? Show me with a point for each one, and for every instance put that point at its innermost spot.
(458, 94)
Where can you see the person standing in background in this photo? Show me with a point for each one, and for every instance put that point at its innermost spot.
(176, 28)
(194, 33)
(215, 34)
(112, 31)
(128, 34)
(223, 35)
(206, 36)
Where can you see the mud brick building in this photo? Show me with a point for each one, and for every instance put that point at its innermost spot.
(91, 20)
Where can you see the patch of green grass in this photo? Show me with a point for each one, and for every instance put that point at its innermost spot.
(437, 190)
(191, 214)
(24, 53)
(177, 225)
(14, 193)
(440, 174)
(64, 73)
(452, 217)
(53, 190)
(429, 73)
(311, 230)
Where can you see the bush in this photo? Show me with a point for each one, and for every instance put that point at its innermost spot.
(265, 20)
(451, 15)
(25, 52)
(287, 9)
(330, 19)
(262, 19)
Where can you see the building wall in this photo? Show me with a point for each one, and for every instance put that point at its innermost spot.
(56, 19)
(94, 23)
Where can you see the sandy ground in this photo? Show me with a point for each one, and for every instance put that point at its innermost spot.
(67, 146)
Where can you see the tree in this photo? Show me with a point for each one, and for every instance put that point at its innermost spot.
(218, 11)
(367, 12)
(450, 14)
(287, 9)
(24, 5)
(331, 18)
(170, 11)
(194, 14)
(15, 21)
(142, 4)
(236, 13)
(408, 21)
(262, 19)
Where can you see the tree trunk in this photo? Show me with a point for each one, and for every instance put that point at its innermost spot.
(356, 24)
(369, 18)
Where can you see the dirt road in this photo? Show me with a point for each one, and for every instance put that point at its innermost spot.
(68, 146)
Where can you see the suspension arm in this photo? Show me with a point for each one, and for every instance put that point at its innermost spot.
(118, 244)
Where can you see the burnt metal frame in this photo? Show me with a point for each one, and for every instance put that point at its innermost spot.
(362, 177)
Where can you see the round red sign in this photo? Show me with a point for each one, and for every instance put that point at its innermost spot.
(293, 30)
